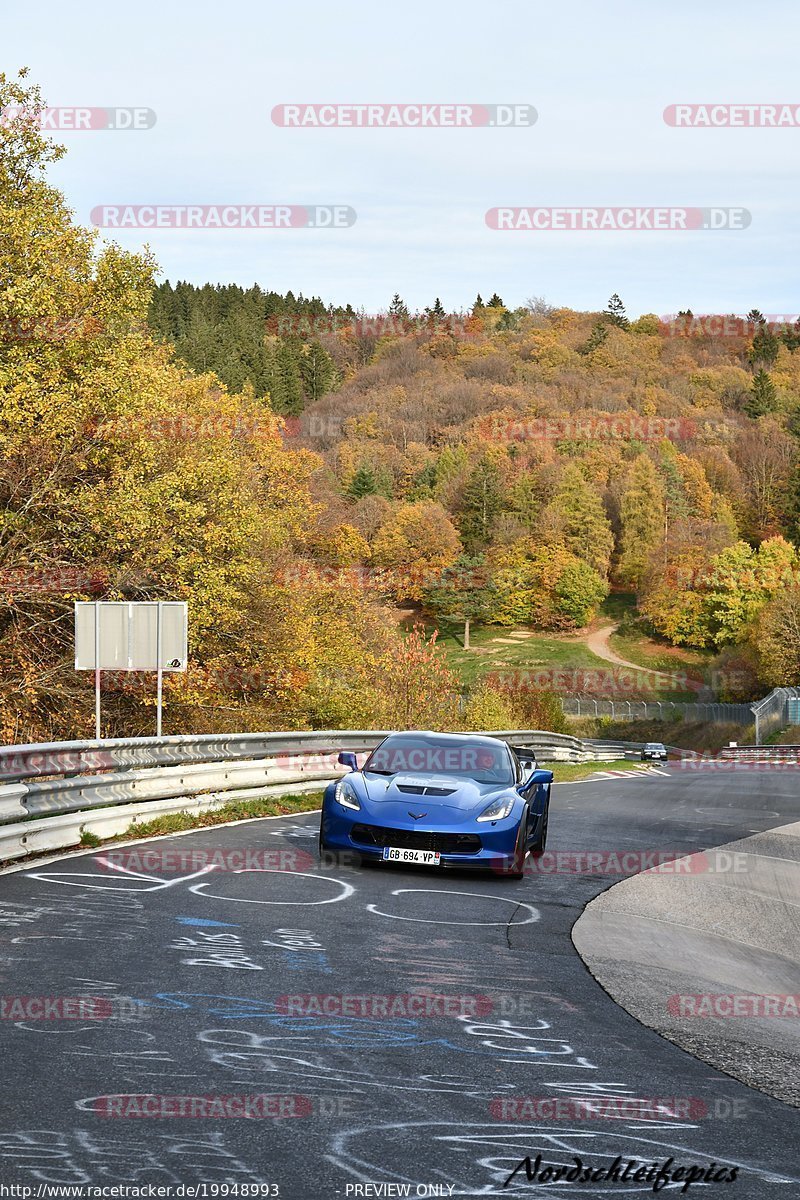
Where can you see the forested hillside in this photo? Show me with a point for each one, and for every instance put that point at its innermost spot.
(511, 466)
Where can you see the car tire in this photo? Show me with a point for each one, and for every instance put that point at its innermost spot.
(541, 841)
(517, 868)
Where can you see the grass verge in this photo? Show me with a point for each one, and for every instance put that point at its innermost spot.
(234, 810)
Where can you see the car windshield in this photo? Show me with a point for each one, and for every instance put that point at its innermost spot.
(654, 746)
(427, 754)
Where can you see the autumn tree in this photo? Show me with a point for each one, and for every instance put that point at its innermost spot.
(777, 639)
(416, 543)
(417, 689)
(641, 520)
(581, 521)
(544, 586)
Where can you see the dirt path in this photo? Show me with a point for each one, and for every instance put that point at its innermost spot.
(597, 642)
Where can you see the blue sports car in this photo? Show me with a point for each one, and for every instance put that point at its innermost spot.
(440, 800)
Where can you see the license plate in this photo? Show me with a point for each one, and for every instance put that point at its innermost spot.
(428, 858)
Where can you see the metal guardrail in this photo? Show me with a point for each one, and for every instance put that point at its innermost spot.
(76, 758)
(761, 753)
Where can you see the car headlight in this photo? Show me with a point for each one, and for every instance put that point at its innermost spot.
(345, 794)
(498, 809)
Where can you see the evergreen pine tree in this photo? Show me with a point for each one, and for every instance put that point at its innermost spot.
(595, 339)
(288, 370)
(615, 313)
(317, 371)
(765, 345)
(363, 482)
(398, 309)
(481, 503)
(436, 312)
(763, 396)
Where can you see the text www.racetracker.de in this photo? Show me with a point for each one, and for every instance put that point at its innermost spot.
(123, 1191)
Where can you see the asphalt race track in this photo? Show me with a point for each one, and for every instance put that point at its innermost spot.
(193, 971)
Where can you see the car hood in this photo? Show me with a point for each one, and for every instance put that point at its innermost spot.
(408, 792)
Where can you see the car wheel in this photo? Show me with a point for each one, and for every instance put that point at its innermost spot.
(541, 841)
(517, 868)
(323, 846)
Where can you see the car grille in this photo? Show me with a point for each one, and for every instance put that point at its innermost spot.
(416, 839)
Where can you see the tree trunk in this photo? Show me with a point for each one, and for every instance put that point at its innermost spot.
(466, 634)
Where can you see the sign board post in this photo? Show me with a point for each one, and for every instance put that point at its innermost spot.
(148, 635)
(160, 669)
(96, 669)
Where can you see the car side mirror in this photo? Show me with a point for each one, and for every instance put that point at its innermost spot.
(528, 766)
(348, 759)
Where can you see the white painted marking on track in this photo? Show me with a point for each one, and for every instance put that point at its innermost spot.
(347, 889)
(66, 877)
(534, 913)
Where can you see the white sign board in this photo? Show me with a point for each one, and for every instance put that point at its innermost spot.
(121, 635)
(128, 636)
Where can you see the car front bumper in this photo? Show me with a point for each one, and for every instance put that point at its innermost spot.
(497, 841)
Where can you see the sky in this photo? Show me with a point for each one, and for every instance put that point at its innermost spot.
(599, 77)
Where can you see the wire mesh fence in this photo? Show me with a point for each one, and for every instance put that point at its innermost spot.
(659, 710)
